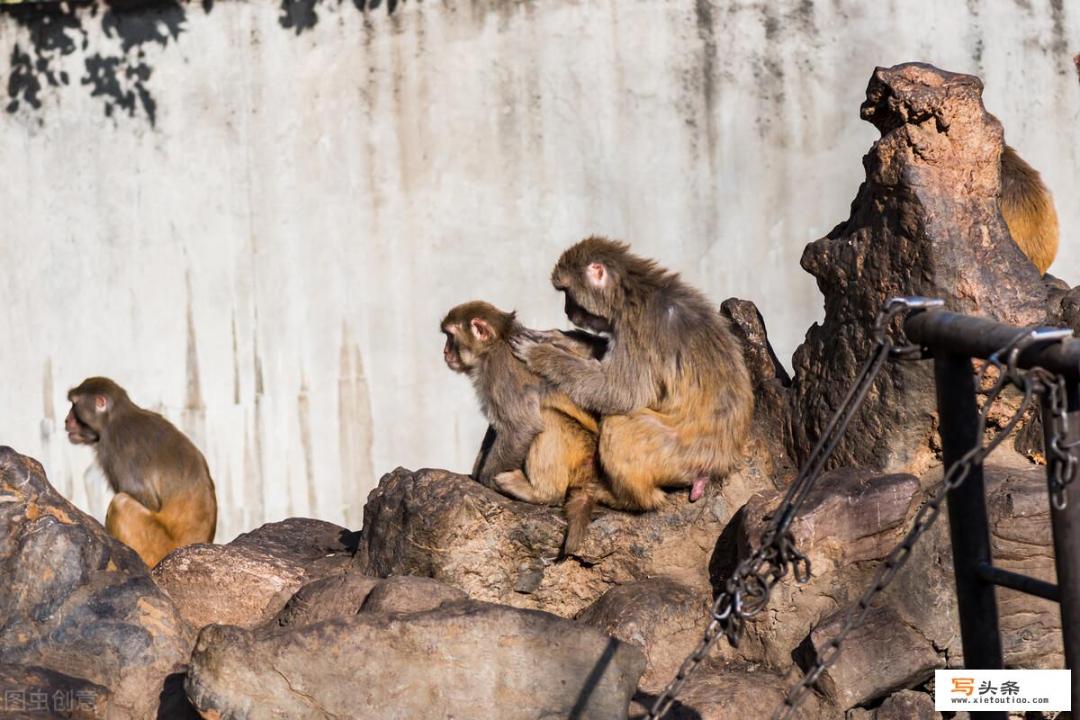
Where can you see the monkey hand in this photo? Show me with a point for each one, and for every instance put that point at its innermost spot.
(524, 343)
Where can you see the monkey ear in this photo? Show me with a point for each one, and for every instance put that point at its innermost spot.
(481, 330)
(597, 274)
(101, 403)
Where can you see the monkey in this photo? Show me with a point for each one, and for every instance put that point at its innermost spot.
(1028, 209)
(164, 494)
(540, 447)
(672, 390)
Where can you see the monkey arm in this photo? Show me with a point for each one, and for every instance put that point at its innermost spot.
(583, 379)
(485, 451)
(508, 451)
(515, 423)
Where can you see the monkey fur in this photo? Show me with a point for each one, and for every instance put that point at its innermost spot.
(540, 448)
(164, 494)
(1028, 209)
(672, 390)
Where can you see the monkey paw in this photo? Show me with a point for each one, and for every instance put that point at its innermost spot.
(523, 344)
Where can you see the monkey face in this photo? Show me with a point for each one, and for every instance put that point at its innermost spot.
(582, 317)
(79, 432)
(451, 353)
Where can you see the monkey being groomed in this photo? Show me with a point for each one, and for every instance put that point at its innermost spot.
(164, 495)
(672, 390)
(541, 448)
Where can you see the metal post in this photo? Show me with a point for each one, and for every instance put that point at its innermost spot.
(1066, 528)
(968, 526)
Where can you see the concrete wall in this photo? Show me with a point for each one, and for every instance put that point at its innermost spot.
(253, 216)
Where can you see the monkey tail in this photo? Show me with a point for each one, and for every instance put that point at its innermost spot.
(578, 508)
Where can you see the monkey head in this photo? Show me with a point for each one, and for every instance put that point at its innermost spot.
(471, 330)
(91, 404)
(594, 275)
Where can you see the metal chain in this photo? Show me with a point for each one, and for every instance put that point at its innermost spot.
(1058, 448)
(747, 592)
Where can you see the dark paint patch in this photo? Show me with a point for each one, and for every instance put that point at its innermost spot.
(301, 15)
(120, 79)
(23, 83)
(1061, 41)
(159, 24)
(298, 15)
(121, 86)
(54, 31)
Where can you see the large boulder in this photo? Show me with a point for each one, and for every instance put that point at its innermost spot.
(248, 581)
(724, 691)
(924, 222)
(850, 520)
(661, 616)
(79, 608)
(463, 659)
(437, 524)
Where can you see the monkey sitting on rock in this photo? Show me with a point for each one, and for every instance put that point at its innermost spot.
(672, 390)
(544, 446)
(164, 495)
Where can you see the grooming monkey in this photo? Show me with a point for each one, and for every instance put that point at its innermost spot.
(672, 389)
(164, 494)
(544, 447)
(1028, 209)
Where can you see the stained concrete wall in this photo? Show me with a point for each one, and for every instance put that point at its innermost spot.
(253, 216)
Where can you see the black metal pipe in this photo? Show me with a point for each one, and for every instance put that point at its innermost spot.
(1016, 581)
(1066, 529)
(978, 337)
(969, 529)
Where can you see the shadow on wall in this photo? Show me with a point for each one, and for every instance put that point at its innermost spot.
(117, 75)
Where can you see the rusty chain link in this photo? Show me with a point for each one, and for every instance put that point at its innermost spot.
(748, 590)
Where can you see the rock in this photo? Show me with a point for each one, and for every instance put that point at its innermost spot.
(409, 594)
(925, 222)
(767, 444)
(719, 691)
(464, 659)
(436, 524)
(749, 327)
(661, 616)
(907, 705)
(346, 594)
(248, 581)
(850, 516)
(40, 692)
(78, 603)
(329, 597)
(881, 656)
(851, 519)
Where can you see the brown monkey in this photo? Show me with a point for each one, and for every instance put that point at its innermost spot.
(541, 448)
(1028, 209)
(672, 389)
(164, 494)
